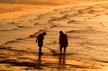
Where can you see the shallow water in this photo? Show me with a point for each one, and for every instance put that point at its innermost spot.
(87, 33)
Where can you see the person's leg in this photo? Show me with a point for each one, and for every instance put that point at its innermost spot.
(40, 44)
(39, 50)
(64, 50)
(60, 49)
(39, 54)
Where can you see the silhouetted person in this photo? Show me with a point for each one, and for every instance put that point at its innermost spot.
(39, 40)
(63, 42)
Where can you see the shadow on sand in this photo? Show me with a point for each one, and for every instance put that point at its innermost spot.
(38, 64)
(29, 65)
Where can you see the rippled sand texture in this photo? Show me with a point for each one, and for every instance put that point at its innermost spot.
(87, 30)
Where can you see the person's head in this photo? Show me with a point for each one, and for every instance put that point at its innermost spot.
(61, 32)
(44, 33)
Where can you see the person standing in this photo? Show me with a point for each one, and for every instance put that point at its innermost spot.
(63, 42)
(39, 40)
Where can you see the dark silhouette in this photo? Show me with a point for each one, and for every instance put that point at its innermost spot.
(63, 42)
(27, 65)
(39, 40)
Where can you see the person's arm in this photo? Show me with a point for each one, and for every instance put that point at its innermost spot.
(60, 39)
(36, 39)
(66, 40)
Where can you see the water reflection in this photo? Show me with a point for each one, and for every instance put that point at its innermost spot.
(62, 59)
(39, 58)
(62, 62)
(60, 66)
(39, 62)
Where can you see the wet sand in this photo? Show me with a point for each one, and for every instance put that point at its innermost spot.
(86, 27)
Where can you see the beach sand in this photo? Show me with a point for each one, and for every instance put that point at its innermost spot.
(85, 25)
